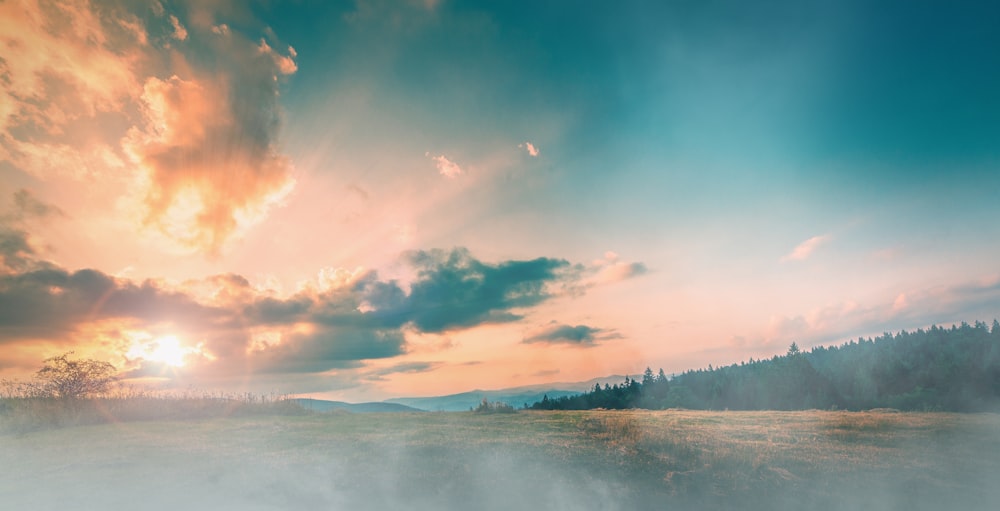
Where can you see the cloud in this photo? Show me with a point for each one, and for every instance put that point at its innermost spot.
(17, 253)
(28, 206)
(579, 335)
(836, 322)
(364, 317)
(211, 168)
(611, 269)
(180, 33)
(528, 146)
(806, 248)
(327, 348)
(59, 63)
(237, 328)
(900, 303)
(446, 167)
(285, 64)
(201, 156)
(545, 372)
(50, 302)
(456, 290)
(403, 368)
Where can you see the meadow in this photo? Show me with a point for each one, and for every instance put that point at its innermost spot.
(605, 460)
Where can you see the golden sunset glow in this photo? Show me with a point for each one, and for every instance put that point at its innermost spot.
(166, 349)
(367, 199)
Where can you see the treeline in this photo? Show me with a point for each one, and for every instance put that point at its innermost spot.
(947, 369)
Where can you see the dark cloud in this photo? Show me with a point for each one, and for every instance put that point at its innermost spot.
(329, 348)
(16, 254)
(545, 372)
(406, 367)
(365, 319)
(636, 269)
(26, 205)
(49, 302)
(272, 311)
(454, 290)
(580, 335)
(312, 331)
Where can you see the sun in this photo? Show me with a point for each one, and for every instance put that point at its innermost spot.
(166, 349)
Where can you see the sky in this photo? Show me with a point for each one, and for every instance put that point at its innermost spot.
(369, 199)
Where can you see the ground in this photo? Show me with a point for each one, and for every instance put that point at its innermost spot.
(604, 460)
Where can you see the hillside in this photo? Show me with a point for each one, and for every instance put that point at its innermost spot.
(944, 369)
(319, 405)
(514, 396)
(464, 401)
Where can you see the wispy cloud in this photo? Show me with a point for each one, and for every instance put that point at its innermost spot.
(446, 167)
(17, 252)
(26, 205)
(806, 248)
(837, 322)
(611, 268)
(578, 335)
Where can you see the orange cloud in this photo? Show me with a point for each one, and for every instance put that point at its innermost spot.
(205, 149)
(207, 152)
(58, 65)
(61, 65)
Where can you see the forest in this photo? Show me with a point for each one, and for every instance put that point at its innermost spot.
(937, 369)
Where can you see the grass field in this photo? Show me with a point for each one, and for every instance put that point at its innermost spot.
(606, 460)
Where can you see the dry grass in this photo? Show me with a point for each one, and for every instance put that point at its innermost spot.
(528, 460)
(20, 414)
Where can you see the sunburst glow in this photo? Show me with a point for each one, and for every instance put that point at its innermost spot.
(166, 349)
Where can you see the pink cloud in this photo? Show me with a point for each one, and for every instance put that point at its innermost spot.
(806, 248)
(612, 269)
(445, 166)
(528, 146)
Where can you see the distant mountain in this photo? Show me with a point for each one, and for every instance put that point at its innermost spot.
(515, 396)
(319, 405)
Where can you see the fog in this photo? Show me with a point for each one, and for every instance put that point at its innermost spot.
(456, 461)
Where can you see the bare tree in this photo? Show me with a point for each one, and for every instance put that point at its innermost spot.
(65, 378)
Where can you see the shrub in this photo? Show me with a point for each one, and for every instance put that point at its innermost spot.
(494, 407)
(71, 379)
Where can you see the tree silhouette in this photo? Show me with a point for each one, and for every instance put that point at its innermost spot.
(954, 369)
(65, 378)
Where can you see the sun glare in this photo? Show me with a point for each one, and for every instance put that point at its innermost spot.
(169, 351)
(166, 350)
